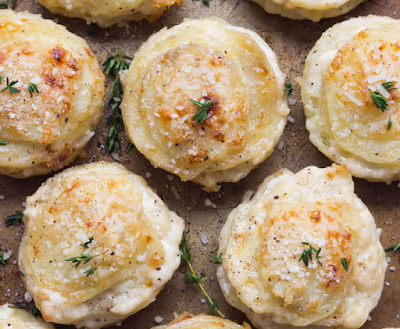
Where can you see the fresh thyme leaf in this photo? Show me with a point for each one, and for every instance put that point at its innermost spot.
(35, 311)
(380, 101)
(32, 88)
(90, 271)
(206, 2)
(394, 248)
(194, 278)
(218, 260)
(86, 244)
(345, 264)
(18, 305)
(1, 78)
(78, 259)
(289, 88)
(7, 4)
(252, 196)
(306, 256)
(20, 272)
(14, 219)
(128, 148)
(184, 250)
(10, 87)
(113, 65)
(389, 125)
(3, 143)
(2, 260)
(389, 86)
(201, 114)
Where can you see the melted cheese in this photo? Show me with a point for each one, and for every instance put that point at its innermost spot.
(314, 10)
(350, 60)
(188, 321)
(262, 242)
(11, 318)
(47, 130)
(108, 12)
(205, 60)
(134, 246)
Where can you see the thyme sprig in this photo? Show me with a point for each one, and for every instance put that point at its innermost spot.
(113, 65)
(306, 256)
(14, 219)
(381, 102)
(194, 278)
(289, 89)
(83, 258)
(218, 259)
(35, 311)
(394, 248)
(3, 143)
(10, 87)
(7, 4)
(201, 114)
(90, 271)
(32, 88)
(86, 244)
(2, 261)
(18, 305)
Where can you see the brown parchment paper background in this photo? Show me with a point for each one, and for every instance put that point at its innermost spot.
(291, 40)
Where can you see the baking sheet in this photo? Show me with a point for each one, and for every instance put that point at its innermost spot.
(291, 40)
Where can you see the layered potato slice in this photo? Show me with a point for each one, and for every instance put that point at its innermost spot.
(51, 90)
(106, 12)
(201, 321)
(304, 251)
(98, 246)
(314, 10)
(12, 318)
(205, 61)
(350, 90)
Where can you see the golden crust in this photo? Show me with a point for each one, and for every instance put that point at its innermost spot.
(47, 130)
(20, 319)
(134, 245)
(351, 60)
(205, 60)
(314, 10)
(263, 240)
(106, 13)
(201, 321)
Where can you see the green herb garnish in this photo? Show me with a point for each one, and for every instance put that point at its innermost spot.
(393, 248)
(218, 260)
(3, 143)
(306, 256)
(35, 311)
(206, 2)
(345, 264)
(2, 262)
(21, 273)
(32, 88)
(14, 219)
(86, 244)
(7, 4)
(194, 278)
(113, 65)
(201, 114)
(90, 271)
(289, 88)
(389, 86)
(10, 87)
(18, 305)
(379, 101)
